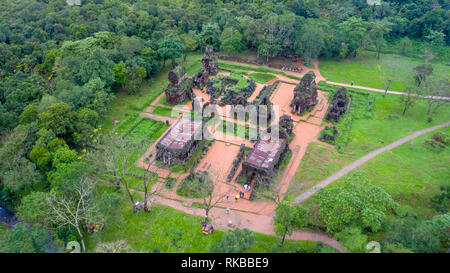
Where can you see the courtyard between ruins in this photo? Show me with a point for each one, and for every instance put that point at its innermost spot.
(218, 159)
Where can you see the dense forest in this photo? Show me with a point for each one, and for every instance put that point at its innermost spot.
(60, 65)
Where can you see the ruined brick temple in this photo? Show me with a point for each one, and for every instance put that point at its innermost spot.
(305, 94)
(339, 104)
(180, 86)
(264, 159)
(210, 66)
(178, 144)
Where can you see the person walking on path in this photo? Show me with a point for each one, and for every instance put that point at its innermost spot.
(228, 211)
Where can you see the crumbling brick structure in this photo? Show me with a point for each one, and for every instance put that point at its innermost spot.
(305, 94)
(178, 144)
(263, 99)
(179, 87)
(339, 105)
(286, 126)
(329, 134)
(210, 66)
(235, 89)
(264, 159)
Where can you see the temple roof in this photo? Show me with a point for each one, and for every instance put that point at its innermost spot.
(265, 151)
(182, 132)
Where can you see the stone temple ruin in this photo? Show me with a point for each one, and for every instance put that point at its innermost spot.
(305, 94)
(263, 160)
(266, 156)
(210, 66)
(179, 87)
(178, 144)
(234, 89)
(339, 104)
(286, 126)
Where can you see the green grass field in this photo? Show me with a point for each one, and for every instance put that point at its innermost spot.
(168, 230)
(363, 70)
(262, 69)
(411, 173)
(261, 77)
(147, 129)
(385, 126)
(163, 111)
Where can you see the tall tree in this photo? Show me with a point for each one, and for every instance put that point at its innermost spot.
(357, 202)
(354, 29)
(113, 157)
(377, 33)
(170, 47)
(310, 43)
(235, 241)
(288, 218)
(232, 41)
(75, 209)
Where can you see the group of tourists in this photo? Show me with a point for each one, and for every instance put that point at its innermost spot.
(207, 229)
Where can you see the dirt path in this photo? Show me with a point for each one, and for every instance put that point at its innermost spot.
(363, 160)
(381, 90)
(158, 117)
(319, 78)
(254, 222)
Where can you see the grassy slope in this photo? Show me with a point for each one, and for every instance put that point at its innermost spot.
(363, 71)
(411, 174)
(156, 231)
(366, 135)
(261, 77)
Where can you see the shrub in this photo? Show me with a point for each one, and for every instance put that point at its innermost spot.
(170, 182)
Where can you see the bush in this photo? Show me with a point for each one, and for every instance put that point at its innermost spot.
(196, 185)
(170, 182)
(438, 142)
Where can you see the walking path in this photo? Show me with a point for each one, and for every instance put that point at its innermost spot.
(319, 78)
(382, 91)
(363, 160)
(254, 222)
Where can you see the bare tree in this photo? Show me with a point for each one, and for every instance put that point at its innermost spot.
(148, 180)
(410, 98)
(210, 197)
(74, 210)
(113, 157)
(389, 72)
(434, 90)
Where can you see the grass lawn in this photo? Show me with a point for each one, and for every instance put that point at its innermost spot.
(410, 173)
(147, 128)
(168, 230)
(2, 232)
(385, 126)
(363, 70)
(163, 111)
(262, 69)
(261, 77)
